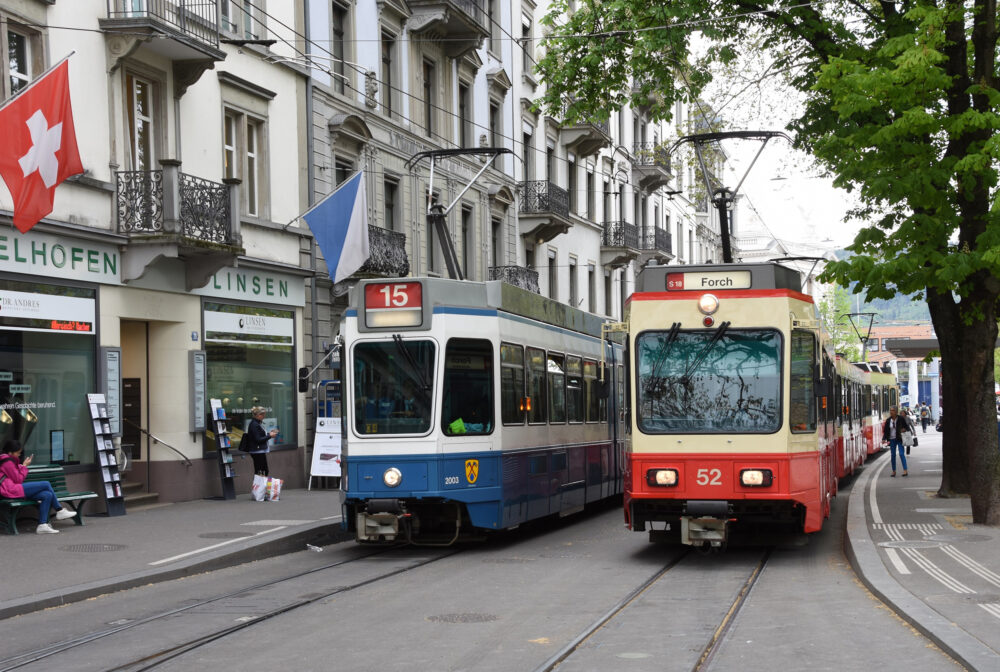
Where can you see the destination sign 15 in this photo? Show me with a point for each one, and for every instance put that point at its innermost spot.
(393, 304)
(715, 280)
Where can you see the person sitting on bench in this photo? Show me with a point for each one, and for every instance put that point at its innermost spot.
(12, 474)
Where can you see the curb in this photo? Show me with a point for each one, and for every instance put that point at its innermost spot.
(320, 534)
(864, 558)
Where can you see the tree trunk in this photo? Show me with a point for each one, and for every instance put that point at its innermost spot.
(955, 461)
(982, 449)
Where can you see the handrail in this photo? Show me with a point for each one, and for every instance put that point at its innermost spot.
(187, 462)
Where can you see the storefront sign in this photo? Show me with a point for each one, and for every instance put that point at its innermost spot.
(46, 312)
(37, 253)
(255, 285)
(242, 328)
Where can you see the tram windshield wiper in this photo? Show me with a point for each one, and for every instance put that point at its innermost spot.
(661, 356)
(716, 337)
(415, 369)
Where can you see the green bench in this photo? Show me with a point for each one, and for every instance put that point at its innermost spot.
(54, 474)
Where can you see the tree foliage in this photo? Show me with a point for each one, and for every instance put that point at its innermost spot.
(833, 307)
(901, 107)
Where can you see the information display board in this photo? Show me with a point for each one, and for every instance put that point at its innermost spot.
(326, 449)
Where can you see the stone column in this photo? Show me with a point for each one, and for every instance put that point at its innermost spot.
(914, 385)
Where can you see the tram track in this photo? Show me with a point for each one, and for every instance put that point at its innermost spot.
(719, 634)
(153, 660)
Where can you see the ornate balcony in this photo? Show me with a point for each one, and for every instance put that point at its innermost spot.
(388, 255)
(461, 25)
(619, 244)
(544, 210)
(169, 215)
(585, 137)
(184, 32)
(654, 244)
(651, 166)
(524, 278)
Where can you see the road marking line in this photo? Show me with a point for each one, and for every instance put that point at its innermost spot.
(972, 565)
(897, 561)
(214, 546)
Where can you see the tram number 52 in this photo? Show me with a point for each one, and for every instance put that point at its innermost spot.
(708, 477)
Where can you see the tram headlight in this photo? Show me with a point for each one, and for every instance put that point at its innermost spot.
(756, 478)
(662, 478)
(392, 477)
(708, 303)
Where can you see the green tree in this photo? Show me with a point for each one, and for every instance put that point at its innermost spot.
(901, 107)
(833, 307)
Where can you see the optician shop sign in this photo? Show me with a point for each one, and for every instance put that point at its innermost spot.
(255, 285)
(41, 254)
(22, 311)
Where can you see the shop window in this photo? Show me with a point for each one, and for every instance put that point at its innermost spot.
(250, 352)
(47, 365)
(467, 387)
(512, 404)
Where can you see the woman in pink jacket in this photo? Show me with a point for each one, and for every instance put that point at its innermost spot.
(12, 485)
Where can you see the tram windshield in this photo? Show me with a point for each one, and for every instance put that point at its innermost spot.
(709, 381)
(392, 387)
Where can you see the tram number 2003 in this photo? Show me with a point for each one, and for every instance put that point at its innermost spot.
(451, 480)
(708, 477)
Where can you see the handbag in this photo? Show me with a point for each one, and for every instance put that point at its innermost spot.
(915, 441)
(258, 489)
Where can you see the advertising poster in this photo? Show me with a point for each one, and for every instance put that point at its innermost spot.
(326, 449)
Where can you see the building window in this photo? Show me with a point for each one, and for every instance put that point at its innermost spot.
(529, 158)
(591, 197)
(342, 169)
(496, 235)
(242, 152)
(527, 62)
(468, 243)
(493, 16)
(388, 64)
(19, 63)
(48, 371)
(247, 368)
(571, 185)
(464, 115)
(391, 205)
(141, 103)
(573, 300)
(338, 46)
(591, 288)
(550, 163)
(496, 125)
(239, 18)
(429, 98)
(553, 276)
(607, 293)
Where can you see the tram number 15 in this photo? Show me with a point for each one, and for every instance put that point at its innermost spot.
(395, 295)
(708, 477)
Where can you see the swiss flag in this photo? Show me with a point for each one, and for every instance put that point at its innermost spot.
(38, 145)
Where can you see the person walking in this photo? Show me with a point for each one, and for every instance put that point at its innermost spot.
(925, 415)
(892, 433)
(259, 438)
(13, 471)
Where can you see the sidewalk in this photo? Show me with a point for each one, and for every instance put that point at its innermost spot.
(923, 556)
(159, 544)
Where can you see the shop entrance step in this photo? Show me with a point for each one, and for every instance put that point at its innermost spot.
(137, 498)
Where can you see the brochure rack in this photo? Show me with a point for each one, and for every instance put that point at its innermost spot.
(224, 449)
(107, 462)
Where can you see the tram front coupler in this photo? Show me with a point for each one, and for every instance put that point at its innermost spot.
(706, 525)
(382, 521)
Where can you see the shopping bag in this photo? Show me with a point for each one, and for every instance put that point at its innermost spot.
(258, 490)
(907, 439)
(273, 489)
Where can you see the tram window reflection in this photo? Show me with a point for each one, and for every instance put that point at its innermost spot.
(392, 387)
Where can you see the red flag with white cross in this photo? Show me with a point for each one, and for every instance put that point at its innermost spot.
(38, 145)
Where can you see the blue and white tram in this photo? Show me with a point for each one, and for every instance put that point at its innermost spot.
(473, 406)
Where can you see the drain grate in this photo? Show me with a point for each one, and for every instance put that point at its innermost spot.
(225, 535)
(463, 618)
(93, 548)
(958, 538)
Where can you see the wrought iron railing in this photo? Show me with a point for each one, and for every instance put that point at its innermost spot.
(196, 18)
(620, 234)
(650, 154)
(518, 276)
(204, 209)
(140, 201)
(474, 8)
(539, 196)
(204, 205)
(387, 256)
(655, 239)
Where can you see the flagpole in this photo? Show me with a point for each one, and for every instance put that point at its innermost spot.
(36, 80)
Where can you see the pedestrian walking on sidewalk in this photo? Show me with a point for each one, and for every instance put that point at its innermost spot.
(892, 432)
(13, 471)
(259, 438)
(925, 415)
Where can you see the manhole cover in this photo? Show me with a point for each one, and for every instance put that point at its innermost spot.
(958, 538)
(912, 543)
(225, 535)
(93, 548)
(463, 618)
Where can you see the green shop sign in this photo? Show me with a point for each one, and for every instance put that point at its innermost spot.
(246, 285)
(55, 257)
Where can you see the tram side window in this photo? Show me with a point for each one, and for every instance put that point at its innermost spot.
(592, 392)
(536, 386)
(801, 399)
(467, 387)
(511, 384)
(574, 389)
(867, 405)
(556, 368)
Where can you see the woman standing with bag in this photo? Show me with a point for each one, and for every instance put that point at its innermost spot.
(892, 432)
(259, 438)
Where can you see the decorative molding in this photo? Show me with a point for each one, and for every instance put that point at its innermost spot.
(245, 85)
